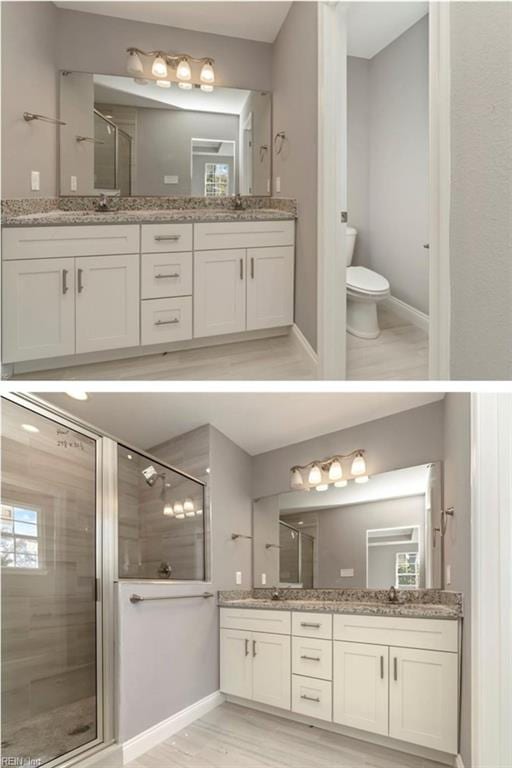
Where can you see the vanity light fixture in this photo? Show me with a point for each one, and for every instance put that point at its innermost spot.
(321, 474)
(188, 505)
(178, 509)
(168, 510)
(181, 63)
(163, 83)
(207, 88)
(185, 86)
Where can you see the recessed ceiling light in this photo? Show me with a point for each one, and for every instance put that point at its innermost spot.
(77, 394)
(29, 428)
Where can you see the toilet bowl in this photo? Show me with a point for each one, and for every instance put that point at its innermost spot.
(365, 288)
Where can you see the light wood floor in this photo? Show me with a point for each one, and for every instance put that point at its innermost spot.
(236, 737)
(400, 352)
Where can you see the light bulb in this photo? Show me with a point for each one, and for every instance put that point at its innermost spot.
(341, 483)
(315, 475)
(141, 80)
(134, 64)
(159, 68)
(188, 505)
(178, 509)
(207, 88)
(296, 479)
(322, 487)
(163, 83)
(180, 516)
(185, 86)
(183, 71)
(169, 510)
(361, 479)
(358, 465)
(77, 394)
(190, 514)
(199, 512)
(335, 470)
(207, 74)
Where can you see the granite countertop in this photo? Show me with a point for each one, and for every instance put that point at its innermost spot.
(58, 217)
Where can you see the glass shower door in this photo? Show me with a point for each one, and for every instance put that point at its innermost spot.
(51, 622)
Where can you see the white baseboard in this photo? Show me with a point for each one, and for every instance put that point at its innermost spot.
(411, 314)
(140, 744)
(458, 762)
(296, 331)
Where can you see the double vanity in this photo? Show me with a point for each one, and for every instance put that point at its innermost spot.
(349, 660)
(77, 282)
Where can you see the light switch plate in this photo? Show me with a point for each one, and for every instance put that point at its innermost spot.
(35, 181)
(171, 179)
(448, 575)
(278, 183)
(346, 573)
(238, 577)
(74, 184)
(263, 578)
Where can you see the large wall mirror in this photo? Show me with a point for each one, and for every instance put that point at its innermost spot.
(383, 533)
(124, 137)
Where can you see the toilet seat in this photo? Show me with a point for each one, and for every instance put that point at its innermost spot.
(366, 281)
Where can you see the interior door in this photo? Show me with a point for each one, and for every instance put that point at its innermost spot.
(236, 663)
(423, 698)
(219, 292)
(271, 662)
(38, 309)
(269, 287)
(360, 686)
(107, 302)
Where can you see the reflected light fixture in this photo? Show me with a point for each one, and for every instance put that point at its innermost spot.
(321, 474)
(188, 505)
(207, 88)
(169, 510)
(185, 86)
(178, 509)
(163, 83)
(29, 428)
(77, 394)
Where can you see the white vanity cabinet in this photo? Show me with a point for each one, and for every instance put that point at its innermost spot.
(219, 292)
(388, 676)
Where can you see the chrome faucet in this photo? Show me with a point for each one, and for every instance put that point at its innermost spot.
(165, 569)
(275, 594)
(102, 203)
(393, 595)
(239, 203)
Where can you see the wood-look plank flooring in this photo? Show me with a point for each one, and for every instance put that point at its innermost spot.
(400, 352)
(231, 736)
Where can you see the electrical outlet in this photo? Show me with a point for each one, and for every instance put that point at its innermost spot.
(263, 578)
(448, 575)
(74, 184)
(238, 577)
(35, 181)
(278, 183)
(346, 573)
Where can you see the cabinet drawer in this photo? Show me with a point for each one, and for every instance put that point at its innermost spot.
(312, 697)
(166, 274)
(312, 625)
(431, 634)
(277, 622)
(161, 238)
(55, 242)
(312, 658)
(165, 320)
(243, 234)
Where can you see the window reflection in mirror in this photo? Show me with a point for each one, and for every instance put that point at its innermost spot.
(374, 535)
(161, 521)
(141, 139)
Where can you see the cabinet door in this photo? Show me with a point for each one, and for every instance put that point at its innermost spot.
(269, 287)
(271, 662)
(219, 292)
(38, 309)
(236, 663)
(360, 686)
(423, 698)
(107, 302)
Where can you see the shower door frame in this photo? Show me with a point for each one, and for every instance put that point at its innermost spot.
(104, 575)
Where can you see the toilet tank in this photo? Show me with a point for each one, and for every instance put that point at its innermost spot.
(351, 242)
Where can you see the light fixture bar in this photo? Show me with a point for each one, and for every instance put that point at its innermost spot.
(320, 474)
(180, 62)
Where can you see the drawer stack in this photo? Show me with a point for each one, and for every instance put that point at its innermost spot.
(312, 665)
(166, 283)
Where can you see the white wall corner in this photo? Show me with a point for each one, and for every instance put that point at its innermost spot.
(458, 762)
(140, 744)
(408, 313)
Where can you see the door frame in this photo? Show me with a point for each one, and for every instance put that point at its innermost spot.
(332, 120)
(491, 579)
(104, 574)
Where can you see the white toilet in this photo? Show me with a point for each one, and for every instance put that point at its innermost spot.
(365, 289)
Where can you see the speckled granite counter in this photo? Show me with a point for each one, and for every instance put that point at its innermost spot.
(418, 604)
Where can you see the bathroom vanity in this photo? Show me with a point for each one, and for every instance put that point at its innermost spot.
(349, 662)
(77, 282)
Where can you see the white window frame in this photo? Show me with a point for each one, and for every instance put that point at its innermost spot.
(416, 575)
(206, 166)
(14, 536)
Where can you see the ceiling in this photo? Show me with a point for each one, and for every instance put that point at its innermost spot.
(257, 422)
(248, 20)
(374, 25)
(410, 481)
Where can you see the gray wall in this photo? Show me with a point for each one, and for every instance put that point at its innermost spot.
(260, 104)
(402, 440)
(457, 493)
(296, 113)
(481, 205)
(29, 84)
(388, 178)
(164, 146)
(265, 530)
(76, 98)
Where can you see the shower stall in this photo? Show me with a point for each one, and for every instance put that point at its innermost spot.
(78, 514)
(296, 556)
